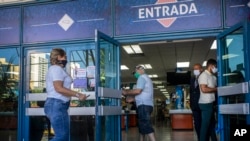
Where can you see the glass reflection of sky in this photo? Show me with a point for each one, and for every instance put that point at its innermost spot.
(10, 52)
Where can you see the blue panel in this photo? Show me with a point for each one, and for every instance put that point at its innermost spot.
(151, 16)
(236, 11)
(66, 21)
(9, 26)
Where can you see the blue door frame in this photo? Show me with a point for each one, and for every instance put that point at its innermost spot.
(112, 123)
(224, 120)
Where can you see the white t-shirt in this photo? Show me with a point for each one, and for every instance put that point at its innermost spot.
(210, 80)
(56, 73)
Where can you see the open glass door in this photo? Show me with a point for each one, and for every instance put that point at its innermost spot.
(95, 70)
(108, 106)
(233, 91)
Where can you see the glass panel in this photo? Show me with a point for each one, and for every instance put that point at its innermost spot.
(233, 58)
(82, 70)
(38, 65)
(233, 72)
(9, 79)
(108, 79)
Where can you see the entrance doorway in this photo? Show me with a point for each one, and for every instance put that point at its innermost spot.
(94, 70)
(163, 56)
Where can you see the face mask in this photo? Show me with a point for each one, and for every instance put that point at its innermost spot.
(214, 70)
(136, 75)
(63, 62)
(196, 72)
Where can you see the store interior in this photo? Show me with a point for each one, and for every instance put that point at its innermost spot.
(163, 57)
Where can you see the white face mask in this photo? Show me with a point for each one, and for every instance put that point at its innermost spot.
(196, 72)
(214, 70)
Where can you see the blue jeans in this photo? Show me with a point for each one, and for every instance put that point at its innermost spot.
(144, 121)
(57, 112)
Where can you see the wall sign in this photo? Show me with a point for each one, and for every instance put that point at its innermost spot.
(9, 26)
(155, 16)
(236, 11)
(67, 20)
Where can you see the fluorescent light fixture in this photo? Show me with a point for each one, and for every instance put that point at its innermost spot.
(227, 56)
(182, 64)
(153, 76)
(204, 63)
(147, 66)
(214, 45)
(163, 90)
(124, 67)
(136, 48)
(128, 49)
(160, 87)
(132, 49)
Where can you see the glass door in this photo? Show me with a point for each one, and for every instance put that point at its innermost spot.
(9, 92)
(81, 67)
(108, 77)
(233, 109)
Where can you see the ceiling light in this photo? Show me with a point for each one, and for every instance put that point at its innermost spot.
(153, 76)
(204, 63)
(132, 49)
(128, 49)
(136, 48)
(214, 45)
(160, 87)
(163, 90)
(124, 67)
(182, 64)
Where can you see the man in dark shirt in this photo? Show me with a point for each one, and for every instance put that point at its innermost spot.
(194, 98)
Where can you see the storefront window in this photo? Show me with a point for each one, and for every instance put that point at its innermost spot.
(9, 78)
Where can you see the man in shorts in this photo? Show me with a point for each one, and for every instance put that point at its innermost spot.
(143, 96)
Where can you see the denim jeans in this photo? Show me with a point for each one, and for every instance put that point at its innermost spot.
(57, 112)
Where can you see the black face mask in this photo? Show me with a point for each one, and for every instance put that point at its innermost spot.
(63, 62)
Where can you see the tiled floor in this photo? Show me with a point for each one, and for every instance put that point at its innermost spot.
(163, 132)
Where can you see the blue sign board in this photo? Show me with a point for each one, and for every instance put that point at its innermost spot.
(67, 20)
(236, 11)
(9, 26)
(156, 16)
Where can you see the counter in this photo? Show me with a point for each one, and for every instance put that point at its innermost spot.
(128, 119)
(181, 118)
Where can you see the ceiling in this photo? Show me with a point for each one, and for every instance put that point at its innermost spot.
(163, 57)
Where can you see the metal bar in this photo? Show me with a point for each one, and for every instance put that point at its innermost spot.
(43, 96)
(72, 111)
(239, 108)
(240, 88)
(110, 110)
(108, 92)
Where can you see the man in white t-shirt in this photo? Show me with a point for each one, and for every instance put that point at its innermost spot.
(208, 88)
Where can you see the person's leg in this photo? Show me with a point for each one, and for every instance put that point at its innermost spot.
(212, 128)
(144, 122)
(59, 119)
(197, 121)
(206, 113)
(151, 136)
